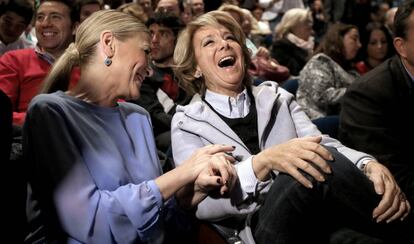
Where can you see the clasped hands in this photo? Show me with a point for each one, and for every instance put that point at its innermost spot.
(216, 174)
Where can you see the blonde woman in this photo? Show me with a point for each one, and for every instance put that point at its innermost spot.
(93, 162)
(293, 40)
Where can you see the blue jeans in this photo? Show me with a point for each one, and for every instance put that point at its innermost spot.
(293, 214)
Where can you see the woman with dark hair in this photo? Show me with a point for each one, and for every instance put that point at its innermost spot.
(376, 47)
(324, 79)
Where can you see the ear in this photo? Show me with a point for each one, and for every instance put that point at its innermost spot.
(107, 43)
(400, 47)
(197, 72)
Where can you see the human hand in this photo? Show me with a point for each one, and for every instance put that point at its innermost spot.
(393, 204)
(300, 153)
(218, 177)
(263, 52)
(200, 159)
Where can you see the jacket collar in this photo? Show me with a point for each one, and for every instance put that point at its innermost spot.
(265, 99)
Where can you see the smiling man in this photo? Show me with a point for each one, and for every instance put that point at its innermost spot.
(160, 93)
(23, 71)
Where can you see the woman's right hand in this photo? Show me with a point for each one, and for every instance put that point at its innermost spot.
(219, 176)
(304, 154)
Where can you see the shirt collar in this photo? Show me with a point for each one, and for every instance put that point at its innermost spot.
(230, 107)
(44, 55)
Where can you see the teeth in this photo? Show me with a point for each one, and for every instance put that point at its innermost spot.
(226, 58)
(226, 61)
(48, 33)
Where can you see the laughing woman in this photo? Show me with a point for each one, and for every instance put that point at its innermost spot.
(92, 161)
(294, 184)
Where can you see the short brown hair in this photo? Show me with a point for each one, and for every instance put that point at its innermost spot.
(184, 57)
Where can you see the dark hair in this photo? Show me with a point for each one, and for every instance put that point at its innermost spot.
(22, 8)
(366, 35)
(401, 19)
(80, 3)
(167, 20)
(332, 43)
(74, 13)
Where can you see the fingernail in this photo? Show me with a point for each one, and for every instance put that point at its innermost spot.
(310, 185)
(331, 157)
(379, 220)
(225, 182)
(218, 180)
(329, 170)
(321, 178)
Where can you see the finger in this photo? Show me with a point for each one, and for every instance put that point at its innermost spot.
(299, 177)
(319, 155)
(207, 182)
(308, 168)
(315, 158)
(379, 184)
(217, 148)
(388, 197)
(399, 213)
(408, 210)
(391, 210)
(221, 166)
(229, 157)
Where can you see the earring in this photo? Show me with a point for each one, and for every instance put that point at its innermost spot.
(107, 61)
(198, 74)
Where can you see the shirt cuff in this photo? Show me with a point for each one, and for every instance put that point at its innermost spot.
(363, 162)
(157, 194)
(247, 177)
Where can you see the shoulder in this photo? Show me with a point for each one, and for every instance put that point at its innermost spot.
(270, 89)
(43, 103)
(133, 108)
(17, 55)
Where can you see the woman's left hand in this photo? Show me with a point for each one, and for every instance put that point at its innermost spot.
(393, 205)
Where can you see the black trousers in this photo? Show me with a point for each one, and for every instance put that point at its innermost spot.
(292, 213)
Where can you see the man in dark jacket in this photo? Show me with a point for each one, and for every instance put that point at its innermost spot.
(160, 93)
(375, 111)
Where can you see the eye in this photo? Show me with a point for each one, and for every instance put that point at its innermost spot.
(230, 37)
(207, 43)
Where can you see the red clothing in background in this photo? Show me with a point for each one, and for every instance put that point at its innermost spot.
(21, 75)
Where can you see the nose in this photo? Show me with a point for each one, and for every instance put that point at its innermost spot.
(224, 44)
(154, 37)
(45, 21)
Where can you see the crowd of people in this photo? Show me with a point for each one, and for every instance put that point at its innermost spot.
(135, 122)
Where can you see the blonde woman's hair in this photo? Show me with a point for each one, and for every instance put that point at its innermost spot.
(291, 18)
(80, 53)
(185, 62)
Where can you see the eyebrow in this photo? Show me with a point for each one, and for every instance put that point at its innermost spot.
(49, 13)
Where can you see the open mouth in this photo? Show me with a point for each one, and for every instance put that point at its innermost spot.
(227, 61)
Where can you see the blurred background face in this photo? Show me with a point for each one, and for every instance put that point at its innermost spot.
(11, 27)
(197, 7)
(303, 29)
(53, 26)
(88, 9)
(351, 44)
(377, 46)
(168, 6)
